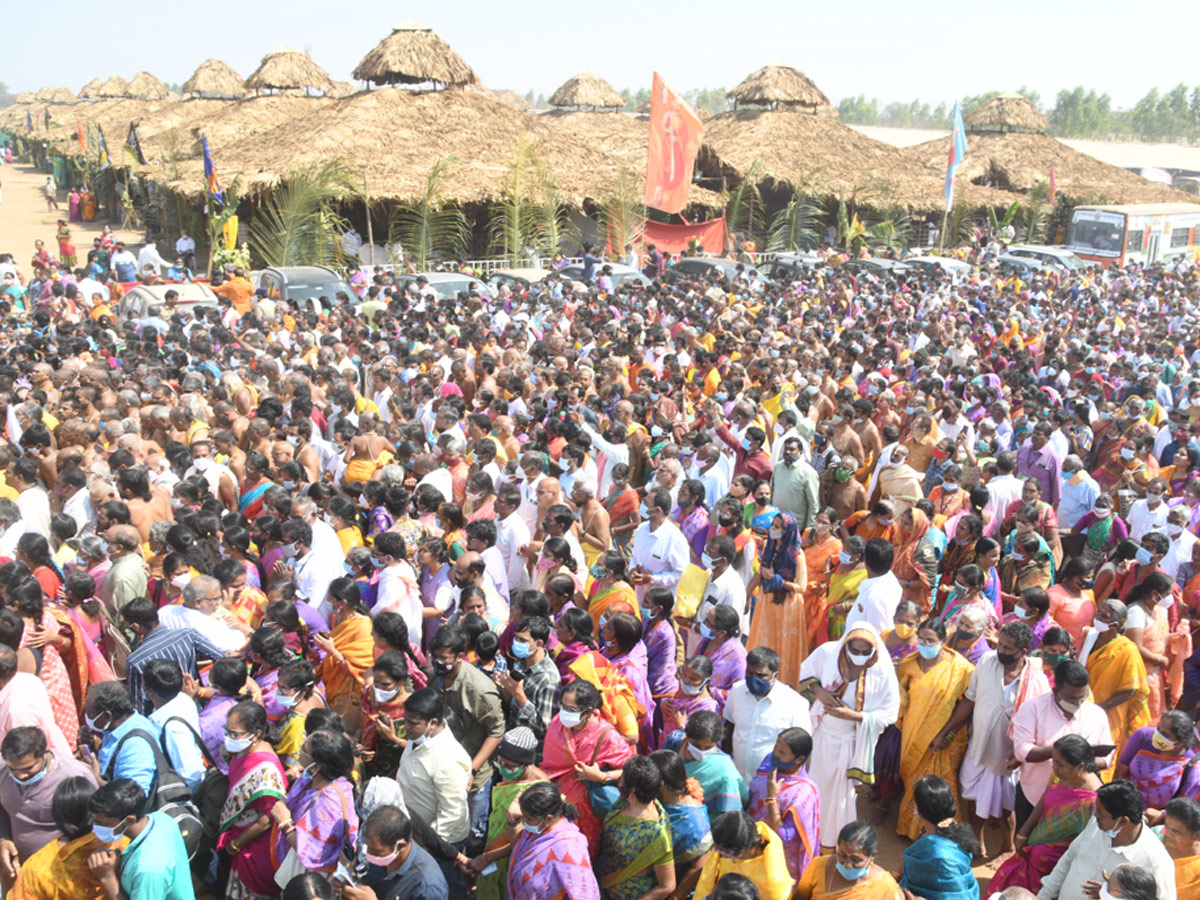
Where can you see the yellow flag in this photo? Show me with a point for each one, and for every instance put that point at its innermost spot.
(229, 231)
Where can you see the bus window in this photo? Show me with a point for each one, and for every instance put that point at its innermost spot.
(1134, 243)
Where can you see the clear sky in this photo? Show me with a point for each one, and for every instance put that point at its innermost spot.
(893, 51)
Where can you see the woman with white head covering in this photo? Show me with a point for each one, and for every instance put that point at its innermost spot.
(855, 697)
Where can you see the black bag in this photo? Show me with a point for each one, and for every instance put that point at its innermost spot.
(209, 798)
(170, 793)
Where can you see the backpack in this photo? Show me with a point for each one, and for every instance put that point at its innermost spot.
(209, 798)
(169, 794)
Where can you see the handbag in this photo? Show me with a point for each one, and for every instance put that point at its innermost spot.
(169, 793)
(209, 797)
(602, 797)
(116, 648)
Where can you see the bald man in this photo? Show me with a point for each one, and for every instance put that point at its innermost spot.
(127, 577)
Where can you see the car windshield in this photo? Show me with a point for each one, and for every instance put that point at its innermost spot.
(1099, 234)
(315, 290)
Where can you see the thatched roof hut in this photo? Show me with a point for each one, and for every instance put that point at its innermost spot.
(1015, 162)
(214, 78)
(55, 95)
(115, 86)
(1006, 112)
(587, 90)
(26, 97)
(145, 86)
(341, 89)
(288, 69)
(780, 87)
(90, 91)
(414, 54)
(513, 100)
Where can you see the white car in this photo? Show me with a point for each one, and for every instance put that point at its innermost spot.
(192, 294)
(955, 268)
(447, 285)
(1058, 258)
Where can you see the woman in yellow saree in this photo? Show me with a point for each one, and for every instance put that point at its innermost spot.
(848, 574)
(850, 873)
(59, 871)
(609, 589)
(931, 682)
(349, 652)
(749, 848)
(1117, 672)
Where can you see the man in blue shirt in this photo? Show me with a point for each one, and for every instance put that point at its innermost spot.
(589, 264)
(175, 713)
(108, 711)
(154, 866)
(398, 868)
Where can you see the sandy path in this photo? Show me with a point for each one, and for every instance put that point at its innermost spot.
(23, 217)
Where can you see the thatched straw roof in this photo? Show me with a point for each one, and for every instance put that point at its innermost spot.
(145, 86)
(287, 68)
(90, 91)
(115, 86)
(513, 100)
(214, 78)
(26, 97)
(1006, 112)
(414, 54)
(778, 86)
(1015, 162)
(587, 89)
(341, 89)
(475, 128)
(62, 95)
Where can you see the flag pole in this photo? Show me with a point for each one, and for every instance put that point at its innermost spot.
(942, 232)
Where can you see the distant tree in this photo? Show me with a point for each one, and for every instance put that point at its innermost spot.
(3, 88)
(530, 97)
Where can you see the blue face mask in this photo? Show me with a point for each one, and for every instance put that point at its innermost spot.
(1144, 556)
(521, 650)
(851, 874)
(33, 779)
(106, 835)
(644, 511)
(596, 571)
(929, 652)
(759, 687)
(777, 763)
(745, 443)
(535, 830)
(655, 431)
(707, 632)
(654, 397)
(720, 396)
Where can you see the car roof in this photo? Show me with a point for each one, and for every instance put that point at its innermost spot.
(531, 273)
(442, 277)
(189, 291)
(303, 273)
(937, 259)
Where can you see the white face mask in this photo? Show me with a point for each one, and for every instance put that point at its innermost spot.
(697, 753)
(237, 745)
(859, 659)
(1100, 627)
(382, 696)
(570, 718)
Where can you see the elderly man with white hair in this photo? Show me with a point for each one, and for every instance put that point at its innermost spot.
(669, 476)
(201, 598)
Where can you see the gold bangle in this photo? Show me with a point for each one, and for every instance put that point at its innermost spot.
(773, 800)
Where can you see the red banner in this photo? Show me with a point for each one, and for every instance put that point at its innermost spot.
(675, 134)
(675, 238)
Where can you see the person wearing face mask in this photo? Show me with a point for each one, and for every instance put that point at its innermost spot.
(110, 715)
(848, 871)
(931, 683)
(551, 856)
(856, 697)
(174, 712)
(1114, 840)
(750, 458)
(221, 481)
(691, 696)
(660, 551)
(530, 701)
(398, 867)
(33, 772)
(786, 799)
(1041, 721)
(256, 782)
(1117, 672)
(1182, 542)
(383, 737)
(154, 864)
(1149, 513)
(758, 708)
(1148, 626)
(948, 497)
(1157, 758)
(720, 631)
(795, 485)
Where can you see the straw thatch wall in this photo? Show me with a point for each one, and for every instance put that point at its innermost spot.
(90, 91)
(115, 86)
(214, 78)
(145, 86)
(287, 68)
(414, 54)
(1006, 112)
(1016, 162)
(587, 89)
(780, 86)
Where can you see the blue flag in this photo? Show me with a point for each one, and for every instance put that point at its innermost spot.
(210, 173)
(958, 150)
(29, 121)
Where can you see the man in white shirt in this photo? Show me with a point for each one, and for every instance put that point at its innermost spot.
(148, 258)
(660, 551)
(435, 769)
(1149, 513)
(1116, 836)
(399, 590)
(185, 248)
(1182, 541)
(614, 450)
(1005, 489)
(32, 499)
(325, 540)
(725, 585)
(759, 708)
(162, 680)
(879, 593)
(313, 569)
(201, 598)
(511, 535)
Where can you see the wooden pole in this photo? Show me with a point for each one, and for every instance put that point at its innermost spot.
(942, 233)
(370, 230)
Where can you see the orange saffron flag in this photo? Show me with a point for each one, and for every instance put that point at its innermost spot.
(79, 137)
(675, 134)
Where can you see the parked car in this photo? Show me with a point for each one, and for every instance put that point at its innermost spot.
(788, 266)
(1058, 258)
(138, 299)
(705, 267)
(931, 265)
(621, 274)
(1024, 267)
(510, 277)
(301, 283)
(446, 285)
(877, 266)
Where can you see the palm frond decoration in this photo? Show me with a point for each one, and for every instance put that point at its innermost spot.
(298, 224)
(745, 207)
(795, 225)
(622, 214)
(430, 227)
(515, 220)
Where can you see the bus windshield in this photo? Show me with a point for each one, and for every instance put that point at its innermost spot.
(1096, 234)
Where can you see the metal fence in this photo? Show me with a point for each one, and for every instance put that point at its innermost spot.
(481, 267)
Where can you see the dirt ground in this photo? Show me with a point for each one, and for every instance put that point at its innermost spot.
(24, 218)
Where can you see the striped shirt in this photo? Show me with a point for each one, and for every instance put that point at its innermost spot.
(179, 644)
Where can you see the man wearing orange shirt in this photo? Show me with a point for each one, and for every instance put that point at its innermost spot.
(238, 290)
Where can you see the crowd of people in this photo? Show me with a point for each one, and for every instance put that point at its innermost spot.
(675, 591)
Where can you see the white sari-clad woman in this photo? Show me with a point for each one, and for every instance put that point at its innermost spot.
(855, 697)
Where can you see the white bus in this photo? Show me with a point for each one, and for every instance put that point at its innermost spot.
(1141, 233)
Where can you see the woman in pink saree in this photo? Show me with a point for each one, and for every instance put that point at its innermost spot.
(256, 783)
(551, 859)
(622, 637)
(580, 748)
